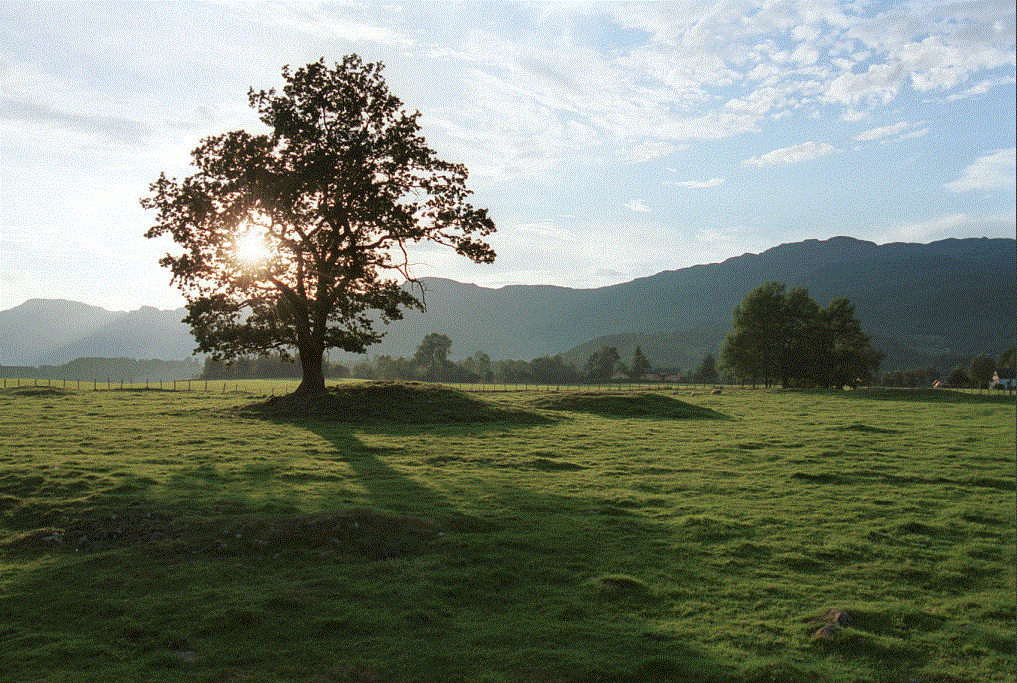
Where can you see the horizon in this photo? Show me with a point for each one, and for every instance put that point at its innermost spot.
(610, 140)
(495, 288)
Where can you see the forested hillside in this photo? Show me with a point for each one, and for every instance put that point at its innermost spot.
(923, 304)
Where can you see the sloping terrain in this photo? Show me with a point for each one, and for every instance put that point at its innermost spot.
(923, 304)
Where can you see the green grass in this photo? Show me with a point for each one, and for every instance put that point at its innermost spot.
(414, 533)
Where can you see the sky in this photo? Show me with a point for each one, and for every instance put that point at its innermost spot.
(608, 140)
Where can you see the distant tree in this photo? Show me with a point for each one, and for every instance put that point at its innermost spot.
(706, 373)
(788, 337)
(431, 358)
(851, 358)
(1007, 358)
(804, 341)
(752, 349)
(328, 200)
(363, 370)
(982, 369)
(513, 371)
(601, 365)
(389, 368)
(553, 370)
(479, 364)
(337, 370)
(640, 365)
(959, 377)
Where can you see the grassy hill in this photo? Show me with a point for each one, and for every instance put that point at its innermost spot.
(538, 537)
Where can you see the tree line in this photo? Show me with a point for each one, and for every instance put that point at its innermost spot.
(109, 369)
(978, 374)
(777, 336)
(781, 336)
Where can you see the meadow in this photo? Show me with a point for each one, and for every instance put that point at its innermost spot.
(417, 533)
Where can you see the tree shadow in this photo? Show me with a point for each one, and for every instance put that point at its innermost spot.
(525, 568)
(924, 396)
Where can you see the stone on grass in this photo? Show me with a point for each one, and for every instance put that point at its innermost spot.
(828, 632)
(836, 616)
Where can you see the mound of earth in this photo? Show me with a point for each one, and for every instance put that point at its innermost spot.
(393, 402)
(38, 391)
(628, 405)
(358, 534)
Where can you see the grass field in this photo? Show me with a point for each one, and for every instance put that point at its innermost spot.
(539, 537)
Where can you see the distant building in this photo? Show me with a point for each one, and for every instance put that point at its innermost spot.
(1005, 377)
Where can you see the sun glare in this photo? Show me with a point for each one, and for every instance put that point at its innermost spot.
(250, 248)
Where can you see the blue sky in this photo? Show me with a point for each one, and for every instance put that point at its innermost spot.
(609, 140)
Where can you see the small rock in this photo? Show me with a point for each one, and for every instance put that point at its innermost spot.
(827, 632)
(187, 656)
(836, 616)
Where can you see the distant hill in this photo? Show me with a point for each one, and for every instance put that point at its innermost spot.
(40, 325)
(55, 331)
(940, 304)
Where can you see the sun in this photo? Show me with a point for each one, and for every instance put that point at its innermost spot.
(250, 247)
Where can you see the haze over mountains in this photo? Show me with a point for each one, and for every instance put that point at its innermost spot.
(923, 304)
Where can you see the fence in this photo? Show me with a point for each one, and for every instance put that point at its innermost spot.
(287, 385)
(283, 386)
(110, 385)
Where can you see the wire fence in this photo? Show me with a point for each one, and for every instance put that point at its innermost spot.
(283, 386)
(273, 387)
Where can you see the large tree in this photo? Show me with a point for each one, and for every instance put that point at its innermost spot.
(601, 364)
(982, 369)
(753, 349)
(786, 336)
(431, 359)
(298, 238)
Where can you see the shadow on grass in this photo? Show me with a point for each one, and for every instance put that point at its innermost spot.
(924, 396)
(517, 587)
(515, 581)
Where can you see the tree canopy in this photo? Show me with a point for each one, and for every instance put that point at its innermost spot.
(784, 336)
(297, 238)
(601, 364)
(981, 370)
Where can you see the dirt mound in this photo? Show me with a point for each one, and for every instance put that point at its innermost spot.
(393, 402)
(358, 534)
(628, 405)
(38, 391)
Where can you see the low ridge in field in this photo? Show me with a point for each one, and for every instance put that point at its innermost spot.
(392, 402)
(628, 405)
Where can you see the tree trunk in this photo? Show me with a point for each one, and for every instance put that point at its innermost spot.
(313, 381)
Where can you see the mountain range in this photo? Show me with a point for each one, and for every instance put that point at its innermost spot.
(923, 304)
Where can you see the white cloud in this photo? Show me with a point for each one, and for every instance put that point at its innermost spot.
(876, 133)
(933, 226)
(637, 205)
(792, 155)
(988, 172)
(696, 184)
